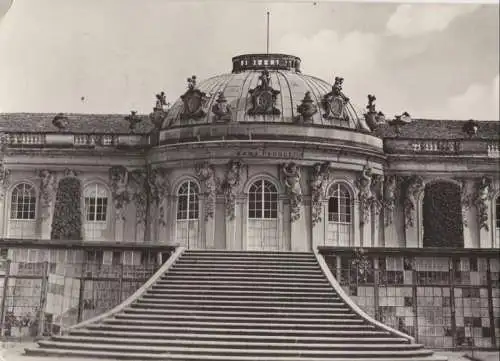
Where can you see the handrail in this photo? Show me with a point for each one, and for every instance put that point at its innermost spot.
(164, 268)
(340, 291)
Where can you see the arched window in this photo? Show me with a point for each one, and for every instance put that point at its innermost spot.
(188, 214)
(263, 216)
(497, 221)
(23, 202)
(22, 217)
(96, 203)
(340, 211)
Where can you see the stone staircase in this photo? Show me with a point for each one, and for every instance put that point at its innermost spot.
(214, 305)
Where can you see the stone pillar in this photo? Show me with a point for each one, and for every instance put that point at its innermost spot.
(356, 220)
(209, 230)
(298, 232)
(4, 184)
(482, 201)
(466, 201)
(366, 229)
(413, 211)
(376, 226)
(119, 228)
(319, 226)
(47, 194)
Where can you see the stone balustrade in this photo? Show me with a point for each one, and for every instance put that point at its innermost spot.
(494, 150)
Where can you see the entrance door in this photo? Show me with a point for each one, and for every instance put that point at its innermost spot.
(263, 217)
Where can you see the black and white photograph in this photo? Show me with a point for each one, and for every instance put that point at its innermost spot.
(249, 180)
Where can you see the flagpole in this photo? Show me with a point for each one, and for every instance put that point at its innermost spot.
(267, 32)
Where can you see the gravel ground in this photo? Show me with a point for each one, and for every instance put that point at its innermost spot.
(15, 352)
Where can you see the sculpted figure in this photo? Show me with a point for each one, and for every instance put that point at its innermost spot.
(292, 183)
(231, 183)
(206, 175)
(389, 201)
(415, 187)
(319, 178)
(118, 176)
(48, 190)
(364, 184)
(483, 193)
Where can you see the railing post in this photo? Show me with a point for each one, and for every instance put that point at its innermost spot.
(376, 279)
(81, 294)
(43, 299)
(4, 297)
(414, 295)
(451, 261)
(120, 284)
(490, 303)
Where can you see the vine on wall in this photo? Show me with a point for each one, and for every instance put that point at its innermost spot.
(67, 220)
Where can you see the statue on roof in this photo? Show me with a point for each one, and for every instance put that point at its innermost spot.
(335, 102)
(372, 117)
(194, 101)
(264, 97)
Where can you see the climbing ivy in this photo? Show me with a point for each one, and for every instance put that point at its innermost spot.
(67, 220)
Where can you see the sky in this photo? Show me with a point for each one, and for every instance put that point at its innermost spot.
(437, 61)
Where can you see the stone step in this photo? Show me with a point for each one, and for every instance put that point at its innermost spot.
(241, 271)
(128, 355)
(248, 265)
(250, 260)
(237, 287)
(347, 338)
(243, 330)
(347, 324)
(200, 276)
(291, 351)
(209, 307)
(167, 281)
(226, 254)
(151, 296)
(239, 318)
(230, 301)
(166, 291)
(294, 343)
(277, 313)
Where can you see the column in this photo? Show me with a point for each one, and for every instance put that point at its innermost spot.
(356, 220)
(466, 214)
(485, 230)
(376, 226)
(208, 226)
(319, 229)
(298, 233)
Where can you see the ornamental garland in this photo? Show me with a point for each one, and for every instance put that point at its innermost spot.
(67, 220)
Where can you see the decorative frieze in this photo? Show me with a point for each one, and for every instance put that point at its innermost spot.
(415, 186)
(206, 174)
(291, 181)
(230, 186)
(318, 183)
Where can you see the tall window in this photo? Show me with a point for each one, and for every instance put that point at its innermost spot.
(23, 202)
(263, 216)
(497, 221)
(340, 209)
(96, 210)
(188, 213)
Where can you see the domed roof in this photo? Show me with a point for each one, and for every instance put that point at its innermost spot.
(263, 88)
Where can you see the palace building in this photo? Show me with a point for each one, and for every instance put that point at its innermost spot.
(266, 158)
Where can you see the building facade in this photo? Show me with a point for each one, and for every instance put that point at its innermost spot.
(266, 158)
